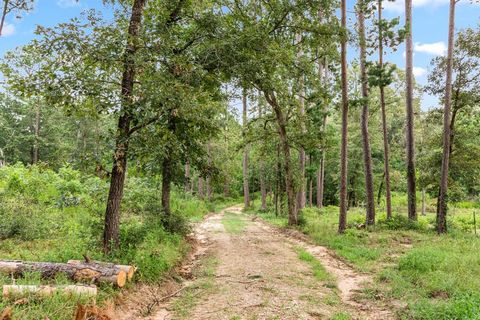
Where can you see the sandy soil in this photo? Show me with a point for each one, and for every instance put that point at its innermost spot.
(256, 274)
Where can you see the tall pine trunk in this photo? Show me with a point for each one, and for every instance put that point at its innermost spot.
(201, 192)
(246, 188)
(36, 126)
(342, 223)
(386, 156)
(285, 146)
(119, 169)
(4, 14)
(442, 198)
(166, 185)
(301, 195)
(411, 183)
(323, 76)
(187, 177)
(263, 186)
(367, 153)
(209, 177)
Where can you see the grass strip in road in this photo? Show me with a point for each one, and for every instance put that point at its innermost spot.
(233, 223)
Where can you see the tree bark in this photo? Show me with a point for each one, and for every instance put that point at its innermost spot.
(386, 156)
(201, 193)
(130, 270)
(75, 272)
(36, 133)
(442, 198)
(424, 205)
(342, 224)
(166, 184)
(282, 132)
(47, 290)
(246, 189)
(209, 177)
(187, 177)
(4, 14)
(119, 169)
(301, 195)
(411, 183)
(263, 187)
(367, 153)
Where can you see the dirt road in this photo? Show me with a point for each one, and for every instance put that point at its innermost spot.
(246, 269)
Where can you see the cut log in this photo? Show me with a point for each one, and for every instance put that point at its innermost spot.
(75, 272)
(16, 290)
(130, 270)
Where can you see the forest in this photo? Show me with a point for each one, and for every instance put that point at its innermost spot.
(239, 159)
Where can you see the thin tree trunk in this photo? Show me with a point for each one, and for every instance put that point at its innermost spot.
(209, 177)
(119, 169)
(263, 187)
(200, 192)
(323, 78)
(380, 188)
(278, 178)
(310, 186)
(301, 195)
(4, 14)
(166, 184)
(282, 132)
(386, 156)
(36, 134)
(442, 198)
(246, 189)
(342, 224)
(411, 183)
(367, 153)
(187, 176)
(424, 205)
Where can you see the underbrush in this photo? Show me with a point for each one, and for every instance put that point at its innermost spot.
(436, 277)
(58, 216)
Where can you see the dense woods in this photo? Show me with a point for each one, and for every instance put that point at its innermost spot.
(122, 126)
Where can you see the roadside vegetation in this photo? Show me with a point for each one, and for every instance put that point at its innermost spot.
(424, 275)
(57, 216)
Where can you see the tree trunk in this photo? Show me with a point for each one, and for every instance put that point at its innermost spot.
(201, 193)
(424, 205)
(310, 187)
(130, 270)
(119, 169)
(321, 171)
(411, 187)
(282, 132)
(301, 195)
(277, 180)
(47, 290)
(367, 153)
(4, 14)
(246, 189)
(166, 184)
(386, 156)
(36, 133)
(187, 177)
(209, 177)
(74, 272)
(442, 198)
(263, 187)
(342, 224)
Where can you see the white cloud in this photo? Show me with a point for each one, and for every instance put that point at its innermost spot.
(399, 5)
(8, 30)
(68, 3)
(419, 71)
(435, 48)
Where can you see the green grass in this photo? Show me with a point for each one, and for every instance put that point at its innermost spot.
(233, 223)
(436, 277)
(58, 216)
(317, 268)
(204, 285)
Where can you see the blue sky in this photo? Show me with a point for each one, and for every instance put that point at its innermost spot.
(430, 26)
